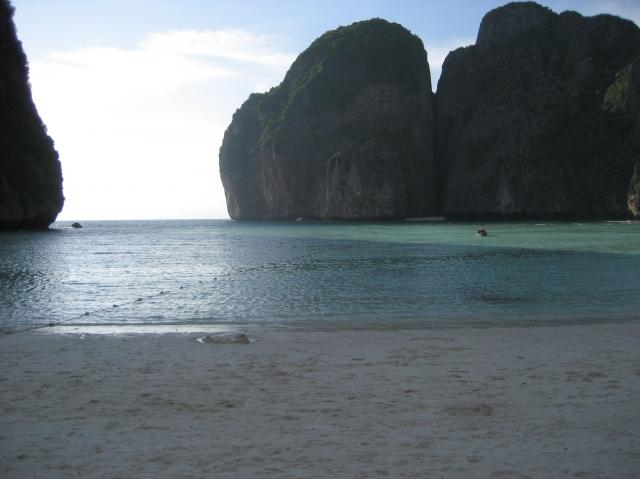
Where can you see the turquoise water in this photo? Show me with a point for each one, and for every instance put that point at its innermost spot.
(314, 275)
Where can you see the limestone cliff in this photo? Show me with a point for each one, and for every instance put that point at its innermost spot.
(348, 134)
(30, 175)
(522, 130)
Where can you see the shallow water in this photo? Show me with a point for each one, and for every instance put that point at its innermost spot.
(311, 274)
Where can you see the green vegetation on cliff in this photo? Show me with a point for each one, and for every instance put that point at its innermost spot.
(614, 97)
(364, 51)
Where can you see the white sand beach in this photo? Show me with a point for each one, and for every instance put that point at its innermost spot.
(540, 402)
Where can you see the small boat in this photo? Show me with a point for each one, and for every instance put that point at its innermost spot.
(481, 231)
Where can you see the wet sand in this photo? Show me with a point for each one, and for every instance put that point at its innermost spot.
(541, 402)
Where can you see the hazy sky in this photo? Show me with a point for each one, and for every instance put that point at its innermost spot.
(137, 94)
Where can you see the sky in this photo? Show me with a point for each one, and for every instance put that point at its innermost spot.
(137, 94)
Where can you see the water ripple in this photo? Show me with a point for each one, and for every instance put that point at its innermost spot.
(226, 272)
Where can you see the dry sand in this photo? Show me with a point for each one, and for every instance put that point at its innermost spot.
(541, 402)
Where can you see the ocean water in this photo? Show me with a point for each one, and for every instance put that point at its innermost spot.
(319, 275)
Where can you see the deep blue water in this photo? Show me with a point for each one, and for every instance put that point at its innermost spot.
(319, 274)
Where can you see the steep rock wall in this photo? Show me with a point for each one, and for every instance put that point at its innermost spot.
(348, 134)
(30, 175)
(521, 126)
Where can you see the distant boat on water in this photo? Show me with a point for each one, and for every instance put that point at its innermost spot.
(481, 231)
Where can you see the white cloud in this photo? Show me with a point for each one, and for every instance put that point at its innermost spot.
(437, 51)
(138, 130)
(231, 44)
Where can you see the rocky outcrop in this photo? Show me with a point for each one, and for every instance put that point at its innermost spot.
(348, 134)
(229, 337)
(538, 119)
(30, 174)
(522, 125)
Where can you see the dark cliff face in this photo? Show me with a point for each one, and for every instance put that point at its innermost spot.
(30, 175)
(538, 119)
(348, 134)
(522, 125)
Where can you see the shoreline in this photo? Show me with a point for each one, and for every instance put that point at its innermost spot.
(316, 326)
(542, 401)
